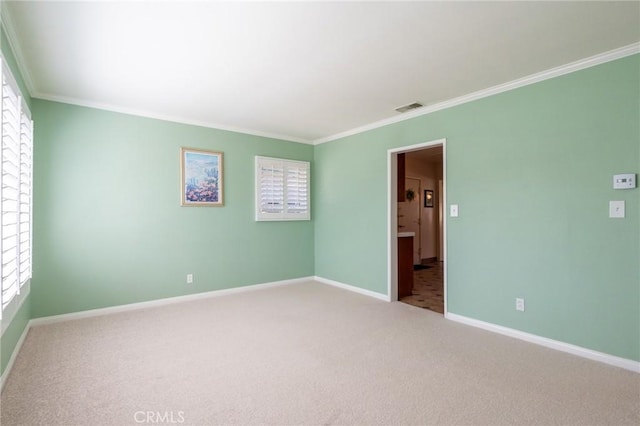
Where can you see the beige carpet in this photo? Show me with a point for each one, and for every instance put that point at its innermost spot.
(302, 354)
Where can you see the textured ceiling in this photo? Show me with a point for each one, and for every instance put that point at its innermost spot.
(301, 71)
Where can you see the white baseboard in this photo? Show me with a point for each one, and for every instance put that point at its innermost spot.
(352, 288)
(16, 350)
(163, 302)
(627, 364)
(136, 306)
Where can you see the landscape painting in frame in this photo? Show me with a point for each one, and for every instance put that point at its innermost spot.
(201, 177)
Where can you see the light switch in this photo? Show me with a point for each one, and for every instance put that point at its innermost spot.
(453, 208)
(616, 209)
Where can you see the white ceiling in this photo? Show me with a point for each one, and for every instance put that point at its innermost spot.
(301, 71)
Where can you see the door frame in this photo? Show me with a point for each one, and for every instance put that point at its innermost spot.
(392, 214)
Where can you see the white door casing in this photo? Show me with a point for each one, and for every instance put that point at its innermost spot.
(392, 215)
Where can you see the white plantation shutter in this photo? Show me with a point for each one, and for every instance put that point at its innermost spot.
(9, 190)
(15, 191)
(282, 189)
(25, 200)
(298, 188)
(271, 193)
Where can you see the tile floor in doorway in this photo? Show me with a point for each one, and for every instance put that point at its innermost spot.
(428, 288)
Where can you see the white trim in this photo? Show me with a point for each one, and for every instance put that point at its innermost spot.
(290, 192)
(137, 306)
(352, 288)
(14, 355)
(581, 64)
(169, 118)
(553, 344)
(171, 301)
(34, 93)
(7, 23)
(578, 65)
(616, 361)
(392, 225)
(392, 213)
(14, 44)
(162, 302)
(445, 254)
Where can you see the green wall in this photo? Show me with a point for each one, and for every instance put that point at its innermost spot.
(12, 334)
(531, 170)
(108, 225)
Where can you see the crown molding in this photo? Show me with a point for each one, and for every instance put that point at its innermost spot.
(14, 44)
(581, 64)
(163, 117)
(7, 23)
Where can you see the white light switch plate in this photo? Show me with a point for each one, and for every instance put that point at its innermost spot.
(453, 210)
(616, 209)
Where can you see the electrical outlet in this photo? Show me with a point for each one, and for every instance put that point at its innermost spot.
(519, 304)
(189, 278)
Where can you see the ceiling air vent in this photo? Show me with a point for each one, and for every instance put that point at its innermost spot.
(409, 107)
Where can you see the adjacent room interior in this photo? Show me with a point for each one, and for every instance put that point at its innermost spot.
(421, 227)
(320, 213)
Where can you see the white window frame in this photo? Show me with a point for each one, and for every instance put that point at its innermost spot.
(290, 201)
(14, 290)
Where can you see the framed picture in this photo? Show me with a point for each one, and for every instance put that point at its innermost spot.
(201, 177)
(428, 198)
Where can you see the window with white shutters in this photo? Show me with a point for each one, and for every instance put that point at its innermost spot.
(282, 189)
(15, 191)
(25, 198)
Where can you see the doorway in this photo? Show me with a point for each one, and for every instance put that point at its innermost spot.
(424, 217)
(409, 215)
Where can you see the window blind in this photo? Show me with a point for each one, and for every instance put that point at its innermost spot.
(15, 191)
(282, 189)
(25, 197)
(298, 188)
